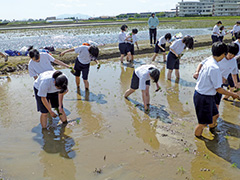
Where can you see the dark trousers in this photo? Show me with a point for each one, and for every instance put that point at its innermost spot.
(153, 34)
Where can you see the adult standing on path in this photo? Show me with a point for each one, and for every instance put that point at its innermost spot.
(153, 23)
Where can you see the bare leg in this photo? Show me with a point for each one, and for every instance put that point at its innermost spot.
(147, 95)
(154, 56)
(164, 57)
(63, 117)
(43, 120)
(199, 129)
(121, 58)
(169, 74)
(214, 124)
(177, 73)
(128, 92)
(86, 84)
(77, 79)
(129, 56)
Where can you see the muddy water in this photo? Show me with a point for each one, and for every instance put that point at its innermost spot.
(115, 139)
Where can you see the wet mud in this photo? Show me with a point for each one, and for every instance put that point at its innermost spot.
(110, 137)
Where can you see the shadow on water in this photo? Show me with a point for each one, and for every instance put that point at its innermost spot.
(90, 97)
(221, 145)
(154, 112)
(54, 140)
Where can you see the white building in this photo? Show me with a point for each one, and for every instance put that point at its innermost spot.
(226, 8)
(190, 8)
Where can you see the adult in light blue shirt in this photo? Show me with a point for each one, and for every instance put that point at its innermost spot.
(153, 23)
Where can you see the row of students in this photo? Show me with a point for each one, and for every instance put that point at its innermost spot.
(209, 86)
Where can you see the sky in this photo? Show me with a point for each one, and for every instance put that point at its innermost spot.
(25, 9)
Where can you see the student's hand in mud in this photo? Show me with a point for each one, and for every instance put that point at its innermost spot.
(53, 114)
(195, 76)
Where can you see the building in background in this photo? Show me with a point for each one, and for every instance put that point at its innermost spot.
(226, 8)
(195, 8)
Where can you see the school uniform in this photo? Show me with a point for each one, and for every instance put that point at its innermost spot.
(221, 36)
(131, 44)
(123, 47)
(215, 34)
(238, 43)
(35, 68)
(161, 42)
(82, 63)
(44, 86)
(209, 80)
(172, 60)
(236, 29)
(141, 77)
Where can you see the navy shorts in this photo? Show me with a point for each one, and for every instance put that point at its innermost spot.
(79, 67)
(52, 97)
(123, 47)
(218, 98)
(131, 48)
(205, 108)
(172, 61)
(214, 39)
(135, 82)
(230, 80)
(157, 48)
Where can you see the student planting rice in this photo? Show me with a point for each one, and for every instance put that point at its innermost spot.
(41, 62)
(50, 88)
(86, 54)
(161, 46)
(131, 40)
(216, 32)
(141, 79)
(173, 58)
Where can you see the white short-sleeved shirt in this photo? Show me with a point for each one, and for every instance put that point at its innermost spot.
(216, 30)
(238, 43)
(142, 73)
(133, 38)
(222, 33)
(236, 28)
(226, 66)
(35, 68)
(45, 84)
(121, 37)
(178, 46)
(162, 40)
(84, 56)
(209, 78)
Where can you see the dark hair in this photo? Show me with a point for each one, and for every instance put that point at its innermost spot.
(238, 22)
(123, 27)
(238, 35)
(152, 14)
(154, 73)
(233, 48)
(188, 41)
(221, 28)
(61, 81)
(94, 51)
(135, 31)
(168, 36)
(33, 53)
(219, 48)
(219, 22)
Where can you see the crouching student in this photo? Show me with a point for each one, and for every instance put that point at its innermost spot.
(174, 55)
(141, 79)
(161, 46)
(86, 54)
(209, 82)
(131, 40)
(49, 88)
(41, 62)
